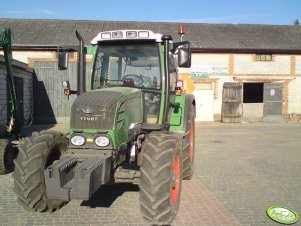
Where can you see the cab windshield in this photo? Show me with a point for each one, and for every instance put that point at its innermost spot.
(127, 65)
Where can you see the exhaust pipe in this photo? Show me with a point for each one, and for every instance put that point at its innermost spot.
(81, 69)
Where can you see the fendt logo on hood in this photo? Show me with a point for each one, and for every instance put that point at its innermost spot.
(88, 111)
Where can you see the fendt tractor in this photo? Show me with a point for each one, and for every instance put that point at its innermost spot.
(135, 124)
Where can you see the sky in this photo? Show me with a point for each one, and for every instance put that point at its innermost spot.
(281, 12)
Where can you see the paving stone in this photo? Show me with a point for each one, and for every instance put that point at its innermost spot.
(240, 170)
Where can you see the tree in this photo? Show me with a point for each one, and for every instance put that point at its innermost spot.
(296, 22)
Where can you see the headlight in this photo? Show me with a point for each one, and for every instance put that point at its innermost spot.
(77, 140)
(106, 35)
(143, 34)
(102, 141)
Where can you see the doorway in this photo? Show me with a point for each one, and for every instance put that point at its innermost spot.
(272, 111)
(262, 102)
(204, 98)
(253, 102)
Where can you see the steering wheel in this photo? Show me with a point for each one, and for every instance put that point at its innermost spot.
(138, 79)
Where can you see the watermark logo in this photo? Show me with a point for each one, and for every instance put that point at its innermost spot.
(282, 215)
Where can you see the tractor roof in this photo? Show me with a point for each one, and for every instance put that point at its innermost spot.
(126, 35)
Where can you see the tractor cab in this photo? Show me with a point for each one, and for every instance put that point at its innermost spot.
(131, 59)
(141, 60)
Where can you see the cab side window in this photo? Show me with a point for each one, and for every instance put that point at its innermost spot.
(173, 72)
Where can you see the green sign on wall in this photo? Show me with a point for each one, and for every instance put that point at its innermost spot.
(199, 75)
(204, 71)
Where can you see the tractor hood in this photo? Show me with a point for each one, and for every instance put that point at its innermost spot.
(107, 108)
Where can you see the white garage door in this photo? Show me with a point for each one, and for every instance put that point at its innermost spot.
(204, 105)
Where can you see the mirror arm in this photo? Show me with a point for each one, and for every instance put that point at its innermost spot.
(177, 44)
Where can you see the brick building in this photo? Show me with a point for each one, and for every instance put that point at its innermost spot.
(239, 72)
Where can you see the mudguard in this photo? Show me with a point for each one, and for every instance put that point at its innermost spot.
(189, 100)
(179, 118)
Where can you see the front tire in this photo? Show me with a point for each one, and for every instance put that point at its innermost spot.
(38, 152)
(161, 177)
(7, 156)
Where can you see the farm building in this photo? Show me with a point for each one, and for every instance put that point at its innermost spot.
(239, 72)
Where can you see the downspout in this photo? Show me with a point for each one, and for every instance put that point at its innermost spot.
(166, 39)
(81, 77)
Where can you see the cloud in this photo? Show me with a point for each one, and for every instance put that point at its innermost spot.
(31, 12)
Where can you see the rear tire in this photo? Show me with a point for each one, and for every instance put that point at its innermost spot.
(161, 177)
(7, 156)
(38, 152)
(189, 146)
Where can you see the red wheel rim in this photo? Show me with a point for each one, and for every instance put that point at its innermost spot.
(176, 187)
(191, 141)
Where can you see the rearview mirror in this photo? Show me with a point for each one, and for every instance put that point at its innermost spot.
(184, 57)
(182, 51)
(63, 60)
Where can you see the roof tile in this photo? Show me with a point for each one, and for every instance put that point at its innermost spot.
(207, 36)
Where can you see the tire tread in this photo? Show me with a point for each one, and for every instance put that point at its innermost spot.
(158, 153)
(29, 184)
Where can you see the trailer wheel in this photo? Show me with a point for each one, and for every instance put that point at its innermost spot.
(188, 146)
(7, 156)
(161, 177)
(38, 152)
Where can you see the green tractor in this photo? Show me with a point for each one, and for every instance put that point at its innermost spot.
(134, 125)
(10, 131)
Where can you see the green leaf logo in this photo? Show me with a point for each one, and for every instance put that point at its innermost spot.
(282, 215)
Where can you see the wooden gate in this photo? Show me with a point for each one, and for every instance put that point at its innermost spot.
(232, 102)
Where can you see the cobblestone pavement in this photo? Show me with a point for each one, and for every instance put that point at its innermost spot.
(250, 167)
(240, 170)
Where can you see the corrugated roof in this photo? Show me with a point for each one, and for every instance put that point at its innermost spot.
(201, 36)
